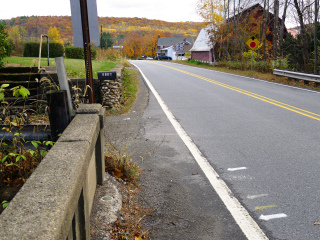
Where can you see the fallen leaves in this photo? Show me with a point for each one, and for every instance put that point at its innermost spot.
(129, 224)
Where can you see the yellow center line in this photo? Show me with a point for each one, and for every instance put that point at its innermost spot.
(251, 94)
(265, 207)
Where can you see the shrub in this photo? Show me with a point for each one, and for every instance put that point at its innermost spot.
(78, 52)
(198, 62)
(31, 49)
(55, 50)
(263, 66)
(3, 42)
(107, 54)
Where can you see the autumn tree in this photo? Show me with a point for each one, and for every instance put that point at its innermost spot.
(248, 25)
(207, 8)
(15, 37)
(150, 42)
(3, 42)
(54, 35)
(132, 45)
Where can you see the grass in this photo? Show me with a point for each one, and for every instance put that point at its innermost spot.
(75, 68)
(129, 91)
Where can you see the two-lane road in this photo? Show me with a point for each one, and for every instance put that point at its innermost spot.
(262, 138)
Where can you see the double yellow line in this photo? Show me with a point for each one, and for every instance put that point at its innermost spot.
(251, 94)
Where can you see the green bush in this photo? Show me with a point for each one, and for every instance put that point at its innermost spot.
(3, 42)
(78, 52)
(262, 66)
(198, 62)
(55, 50)
(31, 49)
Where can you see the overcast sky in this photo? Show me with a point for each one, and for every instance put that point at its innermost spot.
(167, 10)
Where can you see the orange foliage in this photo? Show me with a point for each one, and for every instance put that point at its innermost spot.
(246, 28)
(37, 25)
(150, 42)
(133, 45)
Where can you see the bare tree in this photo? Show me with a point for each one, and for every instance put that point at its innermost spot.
(316, 10)
(275, 29)
(300, 8)
(284, 15)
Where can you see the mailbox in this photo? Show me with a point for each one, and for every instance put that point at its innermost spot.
(109, 75)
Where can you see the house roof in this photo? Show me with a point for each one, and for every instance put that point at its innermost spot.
(203, 42)
(174, 40)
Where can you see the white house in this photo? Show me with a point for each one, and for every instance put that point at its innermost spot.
(175, 48)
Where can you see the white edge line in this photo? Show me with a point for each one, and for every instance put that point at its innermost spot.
(248, 226)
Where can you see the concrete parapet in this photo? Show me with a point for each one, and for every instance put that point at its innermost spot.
(56, 201)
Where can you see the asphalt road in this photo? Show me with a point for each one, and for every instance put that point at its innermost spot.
(261, 138)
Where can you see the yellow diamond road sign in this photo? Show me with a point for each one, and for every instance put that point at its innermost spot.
(253, 43)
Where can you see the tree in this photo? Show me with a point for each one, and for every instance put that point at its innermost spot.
(109, 40)
(150, 42)
(206, 8)
(304, 35)
(3, 42)
(282, 28)
(133, 45)
(238, 29)
(106, 40)
(315, 66)
(15, 37)
(103, 40)
(54, 35)
(275, 29)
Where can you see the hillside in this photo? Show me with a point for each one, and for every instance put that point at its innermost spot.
(36, 25)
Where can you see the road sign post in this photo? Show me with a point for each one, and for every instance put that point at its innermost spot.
(253, 43)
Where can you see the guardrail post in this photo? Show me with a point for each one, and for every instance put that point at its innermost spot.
(99, 148)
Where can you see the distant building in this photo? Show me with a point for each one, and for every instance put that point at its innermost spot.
(77, 26)
(175, 47)
(202, 49)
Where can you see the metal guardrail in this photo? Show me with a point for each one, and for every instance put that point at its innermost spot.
(297, 75)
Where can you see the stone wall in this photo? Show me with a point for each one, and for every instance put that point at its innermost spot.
(111, 93)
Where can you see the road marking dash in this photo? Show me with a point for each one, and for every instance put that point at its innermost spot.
(272, 216)
(265, 207)
(236, 169)
(257, 196)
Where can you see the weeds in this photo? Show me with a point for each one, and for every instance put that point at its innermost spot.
(120, 165)
(18, 163)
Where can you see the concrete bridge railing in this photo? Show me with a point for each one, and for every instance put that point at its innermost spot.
(56, 201)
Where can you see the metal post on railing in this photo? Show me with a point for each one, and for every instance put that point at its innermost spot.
(87, 50)
(47, 47)
(40, 48)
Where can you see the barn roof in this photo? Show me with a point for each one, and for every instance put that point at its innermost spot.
(203, 41)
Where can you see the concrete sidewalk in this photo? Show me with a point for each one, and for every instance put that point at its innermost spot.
(185, 205)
